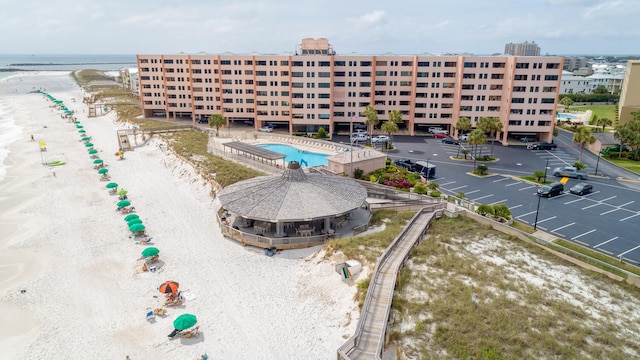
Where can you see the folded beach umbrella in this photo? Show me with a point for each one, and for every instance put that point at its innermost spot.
(97, 161)
(132, 222)
(123, 203)
(150, 251)
(82, 131)
(88, 145)
(136, 227)
(93, 151)
(131, 217)
(111, 185)
(103, 171)
(184, 321)
(85, 138)
(79, 126)
(169, 287)
(76, 122)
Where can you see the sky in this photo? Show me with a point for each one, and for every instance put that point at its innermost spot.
(559, 27)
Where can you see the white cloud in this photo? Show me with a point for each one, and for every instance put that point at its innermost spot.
(373, 17)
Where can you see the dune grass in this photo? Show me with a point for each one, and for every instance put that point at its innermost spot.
(466, 294)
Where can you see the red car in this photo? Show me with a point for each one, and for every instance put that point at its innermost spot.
(440, 136)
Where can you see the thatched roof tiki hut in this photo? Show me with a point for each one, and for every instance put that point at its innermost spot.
(297, 203)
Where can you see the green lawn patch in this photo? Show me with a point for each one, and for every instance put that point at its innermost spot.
(601, 111)
(630, 165)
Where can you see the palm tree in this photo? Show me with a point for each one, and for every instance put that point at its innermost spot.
(629, 133)
(583, 136)
(463, 125)
(395, 116)
(492, 126)
(389, 127)
(372, 118)
(566, 101)
(604, 122)
(217, 120)
(477, 137)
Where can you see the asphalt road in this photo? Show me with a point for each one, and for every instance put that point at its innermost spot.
(606, 220)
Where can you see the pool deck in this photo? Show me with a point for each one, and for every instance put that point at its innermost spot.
(581, 117)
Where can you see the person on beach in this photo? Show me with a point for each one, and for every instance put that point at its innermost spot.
(32, 138)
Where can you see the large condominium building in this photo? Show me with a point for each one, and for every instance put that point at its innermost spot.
(522, 49)
(316, 88)
(630, 95)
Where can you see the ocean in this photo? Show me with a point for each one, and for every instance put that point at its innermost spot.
(13, 64)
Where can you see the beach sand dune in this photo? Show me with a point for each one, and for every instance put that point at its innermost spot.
(68, 276)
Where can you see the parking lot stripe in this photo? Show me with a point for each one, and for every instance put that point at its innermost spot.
(515, 183)
(482, 197)
(629, 217)
(562, 227)
(551, 218)
(609, 198)
(471, 192)
(498, 202)
(528, 187)
(602, 243)
(503, 179)
(610, 211)
(590, 206)
(633, 261)
(523, 215)
(572, 201)
(515, 207)
(450, 182)
(630, 250)
(459, 187)
(583, 234)
(625, 204)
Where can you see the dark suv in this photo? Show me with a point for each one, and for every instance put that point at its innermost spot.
(551, 190)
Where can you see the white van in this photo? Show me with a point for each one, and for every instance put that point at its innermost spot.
(359, 137)
(438, 130)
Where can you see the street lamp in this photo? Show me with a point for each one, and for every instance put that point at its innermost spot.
(535, 223)
(427, 175)
(598, 162)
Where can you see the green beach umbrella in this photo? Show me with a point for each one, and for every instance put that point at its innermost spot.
(93, 151)
(111, 185)
(184, 321)
(79, 126)
(132, 222)
(131, 217)
(123, 203)
(88, 145)
(103, 171)
(85, 138)
(122, 192)
(136, 227)
(76, 122)
(150, 251)
(97, 161)
(82, 131)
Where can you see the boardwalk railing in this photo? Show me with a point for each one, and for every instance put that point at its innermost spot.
(385, 259)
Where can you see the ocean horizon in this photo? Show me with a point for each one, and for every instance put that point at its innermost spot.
(10, 130)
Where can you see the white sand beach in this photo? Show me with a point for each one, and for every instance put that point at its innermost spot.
(68, 282)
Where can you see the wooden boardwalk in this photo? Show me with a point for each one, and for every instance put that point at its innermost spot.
(368, 342)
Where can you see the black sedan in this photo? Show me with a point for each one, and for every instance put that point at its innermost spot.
(581, 189)
(450, 140)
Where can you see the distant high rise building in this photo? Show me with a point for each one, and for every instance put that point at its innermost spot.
(572, 63)
(522, 49)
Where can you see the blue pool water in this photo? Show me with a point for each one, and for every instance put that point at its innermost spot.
(565, 116)
(295, 154)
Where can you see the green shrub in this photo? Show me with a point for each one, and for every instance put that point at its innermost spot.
(501, 210)
(322, 133)
(435, 194)
(420, 188)
(481, 170)
(578, 165)
(358, 173)
(484, 210)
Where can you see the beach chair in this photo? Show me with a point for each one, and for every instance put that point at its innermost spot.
(190, 333)
(151, 316)
(146, 241)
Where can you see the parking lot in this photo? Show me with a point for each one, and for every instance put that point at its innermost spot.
(605, 220)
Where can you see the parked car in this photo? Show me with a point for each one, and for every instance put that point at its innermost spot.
(569, 171)
(581, 189)
(248, 122)
(528, 139)
(437, 130)
(440, 135)
(464, 137)
(406, 163)
(542, 146)
(359, 137)
(551, 190)
(266, 129)
(380, 139)
(450, 140)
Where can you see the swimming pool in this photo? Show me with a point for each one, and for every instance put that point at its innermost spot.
(565, 116)
(305, 158)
